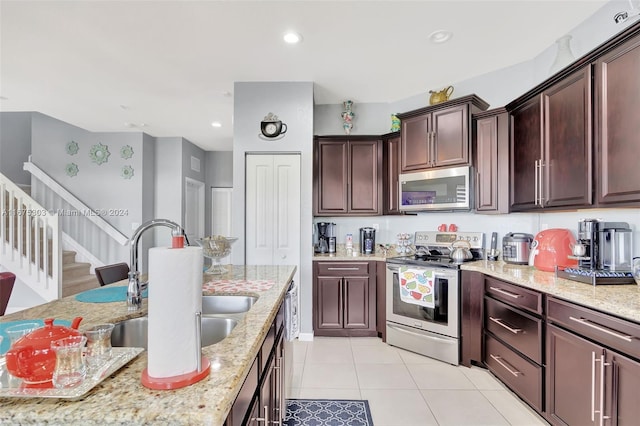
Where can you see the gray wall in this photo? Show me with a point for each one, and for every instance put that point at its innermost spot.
(97, 186)
(292, 102)
(220, 169)
(15, 145)
(497, 88)
(168, 185)
(219, 174)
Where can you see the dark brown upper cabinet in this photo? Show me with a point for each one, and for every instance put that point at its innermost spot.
(491, 142)
(391, 164)
(347, 176)
(617, 95)
(551, 146)
(438, 135)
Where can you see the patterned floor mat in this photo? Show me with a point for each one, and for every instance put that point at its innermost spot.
(327, 412)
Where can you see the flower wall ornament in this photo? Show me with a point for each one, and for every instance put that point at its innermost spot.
(99, 153)
(127, 172)
(71, 169)
(72, 148)
(126, 152)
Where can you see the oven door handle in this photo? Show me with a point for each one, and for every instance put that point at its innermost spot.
(413, 333)
(448, 274)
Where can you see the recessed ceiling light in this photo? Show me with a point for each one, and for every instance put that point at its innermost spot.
(292, 37)
(440, 36)
(216, 124)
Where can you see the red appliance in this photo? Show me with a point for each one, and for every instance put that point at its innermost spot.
(552, 247)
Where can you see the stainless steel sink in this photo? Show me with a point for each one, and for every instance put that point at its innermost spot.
(216, 304)
(133, 332)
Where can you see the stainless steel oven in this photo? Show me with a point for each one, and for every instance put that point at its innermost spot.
(432, 330)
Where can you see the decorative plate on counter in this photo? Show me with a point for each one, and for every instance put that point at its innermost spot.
(120, 357)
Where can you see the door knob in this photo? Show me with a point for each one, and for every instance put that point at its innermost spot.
(284, 256)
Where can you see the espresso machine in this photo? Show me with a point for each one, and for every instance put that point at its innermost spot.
(326, 237)
(604, 253)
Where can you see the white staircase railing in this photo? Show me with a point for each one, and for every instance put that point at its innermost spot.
(90, 230)
(30, 243)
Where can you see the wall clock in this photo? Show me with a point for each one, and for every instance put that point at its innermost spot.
(271, 127)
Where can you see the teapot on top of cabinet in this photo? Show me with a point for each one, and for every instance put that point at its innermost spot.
(441, 96)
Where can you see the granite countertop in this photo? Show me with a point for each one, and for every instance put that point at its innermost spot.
(122, 399)
(342, 254)
(620, 300)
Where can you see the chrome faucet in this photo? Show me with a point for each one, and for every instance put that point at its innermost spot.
(135, 288)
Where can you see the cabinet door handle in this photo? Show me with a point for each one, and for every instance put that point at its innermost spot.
(280, 389)
(342, 269)
(593, 385)
(264, 419)
(431, 149)
(504, 364)
(584, 321)
(535, 183)
(542, 191)
(500, 323)
(428, 139)
(505, 292)
(601, 412)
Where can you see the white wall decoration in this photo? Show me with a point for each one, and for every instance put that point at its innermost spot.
(71, 169)
(126, 172)
(126, 152)
(72, 148)
(99, 153)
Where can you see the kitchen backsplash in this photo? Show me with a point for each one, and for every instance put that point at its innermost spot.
(390, 226)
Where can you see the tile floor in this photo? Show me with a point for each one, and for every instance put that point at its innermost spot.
(404, 388)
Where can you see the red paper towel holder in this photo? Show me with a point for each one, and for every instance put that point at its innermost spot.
(176, 382)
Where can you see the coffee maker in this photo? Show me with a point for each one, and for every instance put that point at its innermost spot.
(588, 237)
(367, 240)
(607, 245)
(326, 237)
(604, 253)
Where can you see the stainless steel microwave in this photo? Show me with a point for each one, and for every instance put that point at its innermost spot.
(440, 189)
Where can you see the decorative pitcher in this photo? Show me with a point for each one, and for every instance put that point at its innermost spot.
(441, 96)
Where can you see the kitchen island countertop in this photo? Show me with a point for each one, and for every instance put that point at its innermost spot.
(122, 399)
(620, 300)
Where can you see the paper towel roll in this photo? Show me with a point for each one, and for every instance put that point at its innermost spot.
(175, 295)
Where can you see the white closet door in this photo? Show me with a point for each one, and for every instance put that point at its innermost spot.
(194, 209)
(286, 209)
(221, 211)
(272, 209)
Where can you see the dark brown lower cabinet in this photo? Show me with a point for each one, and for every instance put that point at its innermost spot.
(261, 400)
(523, 376)
(344, 299)
(472, 293)
(381, 300)
(268, 404)
(589, 384)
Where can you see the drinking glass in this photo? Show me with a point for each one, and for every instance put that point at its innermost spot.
(15, 332)
(70, 368)
(98, 344)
